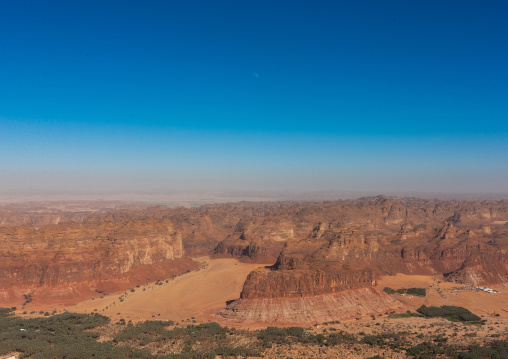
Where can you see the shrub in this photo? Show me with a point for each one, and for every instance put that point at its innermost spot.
(5, 312)
(417, 291)
(496, 349)
(60, 336)
(411, 291)
(280, 335)
(450, 312)
(372, 340)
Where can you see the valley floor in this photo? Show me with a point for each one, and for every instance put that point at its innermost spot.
(440, 292)
(197, 295)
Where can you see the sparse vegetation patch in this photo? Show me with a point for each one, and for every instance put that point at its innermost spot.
(449, 312)
(419, 292)
(76, 336)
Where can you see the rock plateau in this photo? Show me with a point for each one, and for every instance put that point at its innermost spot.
(321, 255)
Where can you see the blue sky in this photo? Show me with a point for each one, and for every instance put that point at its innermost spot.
(307, 95)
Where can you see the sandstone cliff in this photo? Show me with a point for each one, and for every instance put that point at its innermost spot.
(72, 259)
(337, 250)
(299, 283)
(314, 248)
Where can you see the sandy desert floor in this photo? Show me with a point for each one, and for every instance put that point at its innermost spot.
(198, 295)
(440, 292)
(195, 295)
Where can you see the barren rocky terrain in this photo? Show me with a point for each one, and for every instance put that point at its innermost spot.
(315, 248)
(282, 263)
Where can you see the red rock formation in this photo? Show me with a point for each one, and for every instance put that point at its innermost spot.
(110, 256)
(347, 304)
(299, 283)
(354, 242)
(316, 248)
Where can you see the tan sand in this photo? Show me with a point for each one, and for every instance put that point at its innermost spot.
(198, 294)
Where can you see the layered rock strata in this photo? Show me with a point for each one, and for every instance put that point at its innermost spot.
(354, 243)
(308, 310)
(73, 259)
(315, 248)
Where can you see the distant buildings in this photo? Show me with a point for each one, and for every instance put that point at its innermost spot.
(484, 289)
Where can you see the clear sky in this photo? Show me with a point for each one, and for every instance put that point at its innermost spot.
(298, 95)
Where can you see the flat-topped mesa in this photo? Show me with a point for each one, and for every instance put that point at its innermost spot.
(301, 270)
(302, 283)
(300, 289)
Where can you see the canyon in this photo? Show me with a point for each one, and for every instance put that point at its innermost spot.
(315, 256)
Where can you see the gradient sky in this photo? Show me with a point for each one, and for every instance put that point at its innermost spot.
(298, 95)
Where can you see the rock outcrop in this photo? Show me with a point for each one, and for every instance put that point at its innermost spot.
(72, 259)
(353, 243)
(300, 283)
(314, 249)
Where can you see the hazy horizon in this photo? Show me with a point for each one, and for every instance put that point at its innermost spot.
(198, 198)
(392, 97)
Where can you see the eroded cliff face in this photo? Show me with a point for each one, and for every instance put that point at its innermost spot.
(109, 256)
(299, 283)
(388, 236)
(337, 251)
(314, 248)
(344, 246)
(258, 240)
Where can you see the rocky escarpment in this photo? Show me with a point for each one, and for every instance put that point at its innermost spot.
(385, 236)
(74, 260)
(484, 268)
(256, 241)
(300, 283)
(315, 248)
(353, 243)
